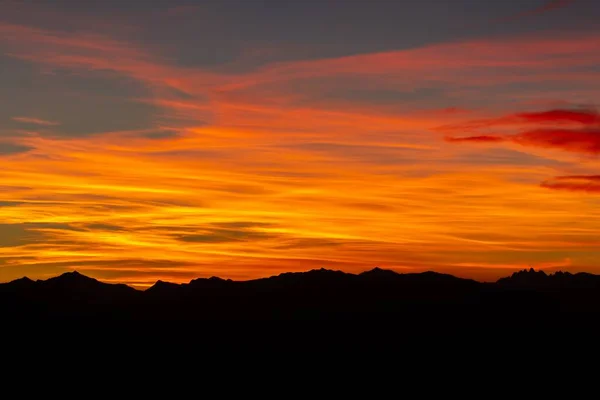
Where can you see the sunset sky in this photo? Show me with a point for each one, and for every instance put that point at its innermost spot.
(244, 138)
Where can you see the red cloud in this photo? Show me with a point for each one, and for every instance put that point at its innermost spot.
(577, 183)
(477, 139)
(554, 117)
(584, 117)
(578, 141)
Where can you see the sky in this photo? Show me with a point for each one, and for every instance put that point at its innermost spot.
(245, 138)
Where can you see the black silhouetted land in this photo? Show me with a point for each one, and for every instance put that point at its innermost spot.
(376, 302)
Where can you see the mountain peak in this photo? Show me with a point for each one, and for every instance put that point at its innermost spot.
(324, 271)
(160, 283)
(74, 276)
(212, 279)
(24, 279)
(526, 277)
(73, 280)
(379, 272)
(161, 286)
(530, 272)
(20, 283)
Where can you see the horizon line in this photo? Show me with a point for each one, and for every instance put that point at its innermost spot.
(136, 287)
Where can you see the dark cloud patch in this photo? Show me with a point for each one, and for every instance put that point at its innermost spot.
(51, 225)
(241, 224)
(12, 235)
(216, 232)
(104, 227)
(307, 243)
(80, 101)
(162, 202)
(207, 238)
(167, 228)
(163, 134)
(225, 236)
(10, 203)
(10, 148)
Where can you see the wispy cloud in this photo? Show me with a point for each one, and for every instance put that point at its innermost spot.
(548, 6)
(42, 39)
(35, 121)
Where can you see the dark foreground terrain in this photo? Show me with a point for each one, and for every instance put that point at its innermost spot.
(320, 306)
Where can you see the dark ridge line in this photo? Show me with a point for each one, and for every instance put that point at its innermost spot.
(378, 272)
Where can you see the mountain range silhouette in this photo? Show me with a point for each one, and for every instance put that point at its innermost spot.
(374, 304)
(426, 298)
